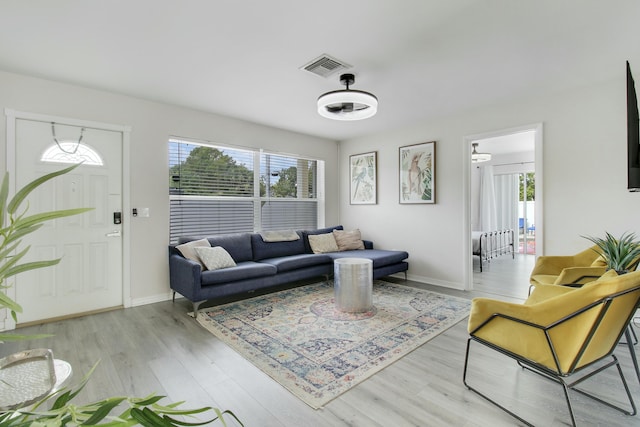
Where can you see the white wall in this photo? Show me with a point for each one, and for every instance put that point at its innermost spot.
(584, 179)
(152, 123)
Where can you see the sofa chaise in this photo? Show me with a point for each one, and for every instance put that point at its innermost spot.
(250, 263)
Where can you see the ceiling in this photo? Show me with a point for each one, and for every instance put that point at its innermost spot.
(423, 59)
(517, 142)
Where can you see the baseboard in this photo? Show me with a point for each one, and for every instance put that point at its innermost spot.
(432, 281)
(151, 299)
(66, 317)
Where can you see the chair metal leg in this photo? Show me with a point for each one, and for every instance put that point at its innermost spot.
(604, 402)
(633, 333)
(464, 380)
(565, 386)
(632, 351)
(573, 385)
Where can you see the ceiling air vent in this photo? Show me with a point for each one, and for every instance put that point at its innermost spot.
(325, 65)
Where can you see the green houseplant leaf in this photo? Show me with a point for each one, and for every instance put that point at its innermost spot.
(4, 194)
(24, 192)
(621, 254)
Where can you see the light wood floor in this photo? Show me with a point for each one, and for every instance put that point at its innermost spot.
(158, 348)
(504, 276)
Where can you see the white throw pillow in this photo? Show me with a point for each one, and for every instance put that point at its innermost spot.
(322, 243)
(215, 258)
(187, 249)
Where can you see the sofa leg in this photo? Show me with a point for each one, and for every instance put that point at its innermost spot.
(405, 276)
(196, 305)
(173, 298)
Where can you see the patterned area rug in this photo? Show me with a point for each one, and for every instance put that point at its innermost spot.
(298, 338)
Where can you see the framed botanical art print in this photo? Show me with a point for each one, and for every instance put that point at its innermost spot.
(418, 173)
(363, 171)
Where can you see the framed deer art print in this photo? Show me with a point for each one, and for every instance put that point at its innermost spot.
(418, 173)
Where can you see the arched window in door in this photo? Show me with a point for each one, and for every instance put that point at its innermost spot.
(71, 152)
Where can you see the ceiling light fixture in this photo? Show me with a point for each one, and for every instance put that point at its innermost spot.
(479, 157)
(347, 104)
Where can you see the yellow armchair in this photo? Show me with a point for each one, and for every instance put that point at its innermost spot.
(559, 331)
(581, 268)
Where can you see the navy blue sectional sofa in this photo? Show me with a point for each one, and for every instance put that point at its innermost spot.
(261, 265)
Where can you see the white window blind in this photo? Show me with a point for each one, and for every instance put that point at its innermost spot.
(217, 190)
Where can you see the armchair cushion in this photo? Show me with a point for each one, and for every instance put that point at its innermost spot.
(544, 292)
(579, 275)
(549, 268)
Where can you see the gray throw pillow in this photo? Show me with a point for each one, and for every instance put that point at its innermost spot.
(348, 240)
(187, 249)
(215, 258)
(322, 243)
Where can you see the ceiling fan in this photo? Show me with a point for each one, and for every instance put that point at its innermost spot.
(347, 104)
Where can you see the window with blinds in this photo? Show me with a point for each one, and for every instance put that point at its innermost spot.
(217, 190)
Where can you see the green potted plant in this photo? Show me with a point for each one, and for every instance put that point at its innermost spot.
(57, 408)
(621, 254)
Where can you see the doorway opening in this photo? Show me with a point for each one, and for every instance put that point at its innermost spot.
(504, 199)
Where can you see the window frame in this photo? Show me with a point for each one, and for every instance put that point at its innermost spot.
(259, 201)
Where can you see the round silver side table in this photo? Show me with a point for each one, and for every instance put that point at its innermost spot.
(353, 284)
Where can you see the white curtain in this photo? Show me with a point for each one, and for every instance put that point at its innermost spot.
(498, 200)
(506, 194)
(488, 216)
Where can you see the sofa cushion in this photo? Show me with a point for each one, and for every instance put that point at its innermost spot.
(322, 243)
(215, 258)
(294, 262)
(264, 250)
(307, 233)
(348, 240)
(379, 257)
(188, 249)
(243, 270)
(238, 245)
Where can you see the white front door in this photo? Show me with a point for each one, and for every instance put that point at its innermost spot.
(89, 277)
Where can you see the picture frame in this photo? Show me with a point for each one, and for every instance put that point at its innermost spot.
(417, 173)
(363, 178)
